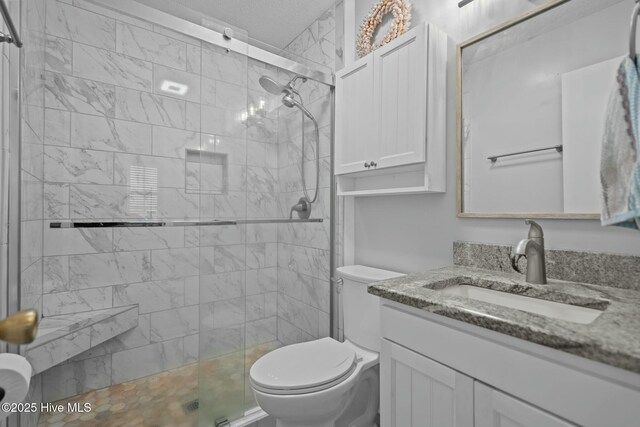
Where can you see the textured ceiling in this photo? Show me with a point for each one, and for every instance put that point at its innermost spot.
(275, 22)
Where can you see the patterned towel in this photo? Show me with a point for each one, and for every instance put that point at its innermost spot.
(619, 163)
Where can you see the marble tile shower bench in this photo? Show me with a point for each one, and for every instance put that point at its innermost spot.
(62, 337)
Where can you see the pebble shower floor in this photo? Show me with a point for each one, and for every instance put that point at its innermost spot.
(161, 400)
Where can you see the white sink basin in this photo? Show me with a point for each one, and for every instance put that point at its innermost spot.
(556, 310)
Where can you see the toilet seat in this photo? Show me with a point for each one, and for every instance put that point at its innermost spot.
(304, 368)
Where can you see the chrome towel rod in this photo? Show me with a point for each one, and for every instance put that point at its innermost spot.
(558, 148)
(132, 224)
(13, 36)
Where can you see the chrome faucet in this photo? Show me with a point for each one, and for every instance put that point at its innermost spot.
(533, 249)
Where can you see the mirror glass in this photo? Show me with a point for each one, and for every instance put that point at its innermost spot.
(532, 102)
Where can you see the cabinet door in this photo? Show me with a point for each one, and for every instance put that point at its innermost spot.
(418, 392)
(356, 131)
(400, 79)
(496, 409)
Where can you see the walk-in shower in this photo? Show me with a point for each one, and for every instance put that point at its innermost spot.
(154, 201)
(289, 94)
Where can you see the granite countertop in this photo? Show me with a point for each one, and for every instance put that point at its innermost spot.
(612, 338)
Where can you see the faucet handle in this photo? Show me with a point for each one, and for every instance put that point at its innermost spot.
(535, 229)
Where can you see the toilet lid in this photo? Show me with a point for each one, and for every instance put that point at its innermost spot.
(304, 366)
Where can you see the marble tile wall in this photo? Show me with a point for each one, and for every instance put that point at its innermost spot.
(303, 249)
(317, 43)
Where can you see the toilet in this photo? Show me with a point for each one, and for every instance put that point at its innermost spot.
(327, 383)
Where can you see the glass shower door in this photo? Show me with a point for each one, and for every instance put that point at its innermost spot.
(267, 282)
(217, 172)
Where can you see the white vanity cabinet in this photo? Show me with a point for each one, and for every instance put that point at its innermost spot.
(436, 371)
(391, 117)
(418, 392)
(494, 408)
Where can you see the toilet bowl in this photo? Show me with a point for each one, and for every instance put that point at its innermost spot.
(327, 383)
(314, 384)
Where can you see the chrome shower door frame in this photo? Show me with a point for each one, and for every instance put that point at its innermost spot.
(219, 39)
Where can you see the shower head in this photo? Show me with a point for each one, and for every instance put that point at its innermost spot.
(271, 85)
(288, 92)
(275, 88)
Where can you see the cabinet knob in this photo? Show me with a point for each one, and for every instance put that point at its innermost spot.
(367, 165)
(374, 164)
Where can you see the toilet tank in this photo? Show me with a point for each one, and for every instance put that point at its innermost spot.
(360, 309)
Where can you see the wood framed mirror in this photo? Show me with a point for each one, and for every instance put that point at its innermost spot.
(532, 96)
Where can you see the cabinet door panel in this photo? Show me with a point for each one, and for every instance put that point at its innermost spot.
(496, 409)
(400, 79)
(418, 392)
(356, 129)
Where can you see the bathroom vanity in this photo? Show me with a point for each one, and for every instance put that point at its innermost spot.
(464, 346)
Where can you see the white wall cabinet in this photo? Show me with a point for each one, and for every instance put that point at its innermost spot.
(391, 117)
(418, 392)
(400, 91)
(354, 106)
(436, 371)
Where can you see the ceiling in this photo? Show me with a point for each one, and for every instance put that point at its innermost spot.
(274, 22)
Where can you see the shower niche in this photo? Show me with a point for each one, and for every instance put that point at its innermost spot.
(207, 172)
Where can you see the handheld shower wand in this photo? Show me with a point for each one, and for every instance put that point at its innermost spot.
(289, 100)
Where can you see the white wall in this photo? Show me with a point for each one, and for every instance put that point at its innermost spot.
(413, 233)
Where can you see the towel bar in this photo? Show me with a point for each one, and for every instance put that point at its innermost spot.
(558, 148)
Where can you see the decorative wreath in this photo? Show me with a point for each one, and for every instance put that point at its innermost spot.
(401, 10)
